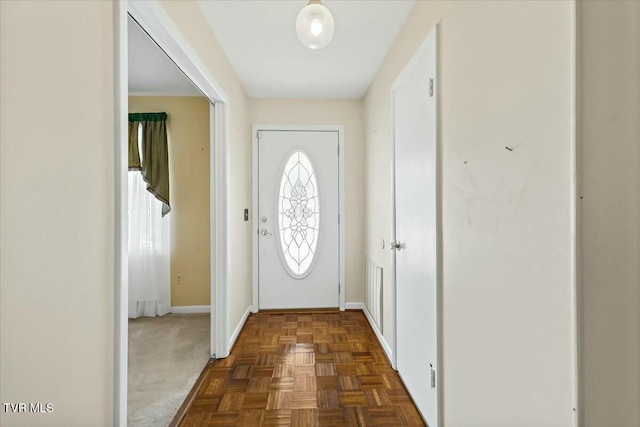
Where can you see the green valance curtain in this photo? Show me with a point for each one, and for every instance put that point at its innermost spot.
(154, 163)
(134, 153)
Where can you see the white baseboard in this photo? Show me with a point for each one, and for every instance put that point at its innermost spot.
(383, 342)
(354, 306)
(188, 309)
(236, 331)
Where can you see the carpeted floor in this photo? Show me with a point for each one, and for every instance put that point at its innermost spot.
(166, 356)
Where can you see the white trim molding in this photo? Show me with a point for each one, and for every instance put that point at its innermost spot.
(354, 306)
(121, 227)
(238, 329)
(190, 309)
(576, 216)
(383, 342)
(341, 204)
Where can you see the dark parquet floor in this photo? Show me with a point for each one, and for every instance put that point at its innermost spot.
(303, 369)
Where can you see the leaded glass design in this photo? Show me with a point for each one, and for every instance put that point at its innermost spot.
(298, 212)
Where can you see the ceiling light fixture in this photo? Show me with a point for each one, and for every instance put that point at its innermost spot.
(314, 25)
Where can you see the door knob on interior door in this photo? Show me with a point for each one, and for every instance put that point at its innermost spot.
(264, 232)
(395, 245)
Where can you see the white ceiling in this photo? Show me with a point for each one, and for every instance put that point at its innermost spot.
(151, 72)
(259, 39)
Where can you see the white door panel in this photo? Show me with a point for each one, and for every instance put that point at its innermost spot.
(298, 242)
(416, 229)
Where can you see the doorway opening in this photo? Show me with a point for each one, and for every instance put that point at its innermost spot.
(158, 27)
(169, 331)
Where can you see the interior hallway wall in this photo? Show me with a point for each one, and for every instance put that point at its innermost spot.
(332, 112)
(57, 222)
(506, 80)
(189, 18)
(57, 195)
(609, 149)
(188, 137)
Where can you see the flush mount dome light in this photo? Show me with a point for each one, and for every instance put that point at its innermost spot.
(314, 25)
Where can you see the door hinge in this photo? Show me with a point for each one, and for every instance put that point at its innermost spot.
(430, 87)
(338, 219)
(338, 150)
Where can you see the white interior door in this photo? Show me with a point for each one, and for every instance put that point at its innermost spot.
(298, 234)
(416, 229)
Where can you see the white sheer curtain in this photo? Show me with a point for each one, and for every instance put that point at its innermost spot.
(149, 273)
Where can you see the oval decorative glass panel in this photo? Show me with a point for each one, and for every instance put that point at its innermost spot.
(298, 214)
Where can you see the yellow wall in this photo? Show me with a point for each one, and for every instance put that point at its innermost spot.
(188, 135)
(505, 81)
(609, 149)
(332, 112)
(57, 200)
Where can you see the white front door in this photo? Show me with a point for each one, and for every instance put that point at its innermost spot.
(417, 229)
(298, 234)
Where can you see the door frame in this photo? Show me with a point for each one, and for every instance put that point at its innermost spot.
(254, 210)
(420, 51)
(157, 23)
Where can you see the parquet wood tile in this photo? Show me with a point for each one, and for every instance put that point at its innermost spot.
(252, 417)
(259, 384)
(304, 418)
(276, 418)
(255, 401)
(331, 417)
(327, 383)
(304, 383)
(303, 369)
(408, 415)
(349, 382)
(220, 419)
(279, 400)
(328, 399)
(326, 369)
(386, 416)
(197, 419)
(231, 402)
(377, 397)
(352, 398)
(304, 400)
(281, 384)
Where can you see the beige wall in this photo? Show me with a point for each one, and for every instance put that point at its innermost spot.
(188, 135)
(191, 22)
(57, 201)
(507, 289)
(609, 149)
(57, 197)
(505, 81)
(332, 112)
